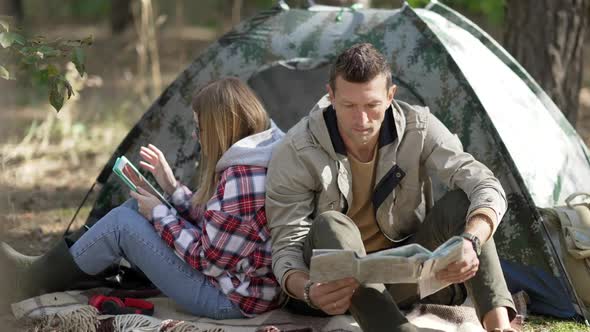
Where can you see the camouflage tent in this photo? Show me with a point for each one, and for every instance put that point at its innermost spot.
(439, 59)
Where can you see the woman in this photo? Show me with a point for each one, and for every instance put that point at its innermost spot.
(211, 253)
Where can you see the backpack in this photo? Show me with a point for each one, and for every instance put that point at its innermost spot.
(569, 230)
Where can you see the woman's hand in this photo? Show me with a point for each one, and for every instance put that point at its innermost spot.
(155, 162)
(133, 177)
(146, 202)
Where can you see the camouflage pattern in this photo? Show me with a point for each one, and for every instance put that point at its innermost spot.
(438, 58)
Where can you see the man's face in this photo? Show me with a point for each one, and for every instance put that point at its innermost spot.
(360, 108)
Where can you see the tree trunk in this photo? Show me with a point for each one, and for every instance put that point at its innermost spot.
(14, 9)
(236, 12)
(547, 38)
(121, 15)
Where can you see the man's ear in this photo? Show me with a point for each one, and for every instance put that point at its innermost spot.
(330, 93)
(391, 93)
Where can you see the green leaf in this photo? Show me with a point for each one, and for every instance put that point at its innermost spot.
(9, 38)
(69, 88)
(52, 71)
(19, 39)
(6, 39)
(42, 76)
(4, 73)
(78, 58)
(57, 93)
(49, 51)
(30, 59)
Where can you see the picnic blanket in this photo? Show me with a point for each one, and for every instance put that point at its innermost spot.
(69, 312)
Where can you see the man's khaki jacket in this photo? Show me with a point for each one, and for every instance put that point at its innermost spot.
(309, 173)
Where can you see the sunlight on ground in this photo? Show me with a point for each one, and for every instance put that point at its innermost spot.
(544, 324)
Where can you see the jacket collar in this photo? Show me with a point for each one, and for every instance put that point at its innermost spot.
(387, 133)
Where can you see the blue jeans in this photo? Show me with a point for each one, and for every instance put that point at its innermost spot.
(124, 233)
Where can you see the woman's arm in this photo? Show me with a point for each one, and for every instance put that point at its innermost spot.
(232, 224)
(181, 200)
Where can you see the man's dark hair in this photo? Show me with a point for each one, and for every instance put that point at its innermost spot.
(360, 64)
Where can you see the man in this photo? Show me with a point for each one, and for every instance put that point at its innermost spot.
(354, 174)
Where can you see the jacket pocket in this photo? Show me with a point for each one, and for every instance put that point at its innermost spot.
(406, 202)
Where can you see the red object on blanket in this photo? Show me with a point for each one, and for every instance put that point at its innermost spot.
(111, 305)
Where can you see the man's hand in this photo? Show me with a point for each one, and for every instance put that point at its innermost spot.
(463, 270)
(146, 202)
(333, 297)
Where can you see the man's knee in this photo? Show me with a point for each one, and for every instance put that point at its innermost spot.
(333, 222)
(445, 219)
(456, 199)
(452, 208)
(334, 230)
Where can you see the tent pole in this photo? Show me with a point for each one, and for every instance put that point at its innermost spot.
(78, 210)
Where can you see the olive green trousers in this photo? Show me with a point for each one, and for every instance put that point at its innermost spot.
(376, 307)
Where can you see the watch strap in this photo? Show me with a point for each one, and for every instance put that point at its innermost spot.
(474, 242)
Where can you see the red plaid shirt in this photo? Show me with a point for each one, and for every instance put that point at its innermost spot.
(228, 241)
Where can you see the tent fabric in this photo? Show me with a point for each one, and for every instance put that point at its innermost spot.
(539, 285)
(439, 60)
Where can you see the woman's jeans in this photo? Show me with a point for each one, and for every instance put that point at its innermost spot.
(124, 233)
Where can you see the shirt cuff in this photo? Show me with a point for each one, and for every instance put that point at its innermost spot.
(159, 212)
(178, 196)
(489, 215)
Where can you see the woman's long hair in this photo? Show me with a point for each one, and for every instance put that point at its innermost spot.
(227, 110)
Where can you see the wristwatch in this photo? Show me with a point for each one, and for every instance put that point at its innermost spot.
(474, 242)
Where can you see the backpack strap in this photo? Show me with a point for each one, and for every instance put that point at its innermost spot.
(570, 198)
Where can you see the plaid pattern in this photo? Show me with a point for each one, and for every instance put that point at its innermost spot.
(228, 240)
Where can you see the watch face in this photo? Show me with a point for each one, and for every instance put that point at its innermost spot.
(474, 241)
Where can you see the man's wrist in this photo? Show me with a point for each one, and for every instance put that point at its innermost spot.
(306, 297)
(475, 242)
(481, 226)
(485, 216)
(295, 284)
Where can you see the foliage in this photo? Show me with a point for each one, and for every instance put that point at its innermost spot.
(41, 60)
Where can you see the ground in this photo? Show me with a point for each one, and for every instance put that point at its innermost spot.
(42, 185)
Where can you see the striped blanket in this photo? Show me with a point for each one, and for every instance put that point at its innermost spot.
(70, 312)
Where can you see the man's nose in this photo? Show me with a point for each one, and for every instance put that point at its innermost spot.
(362, 117)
